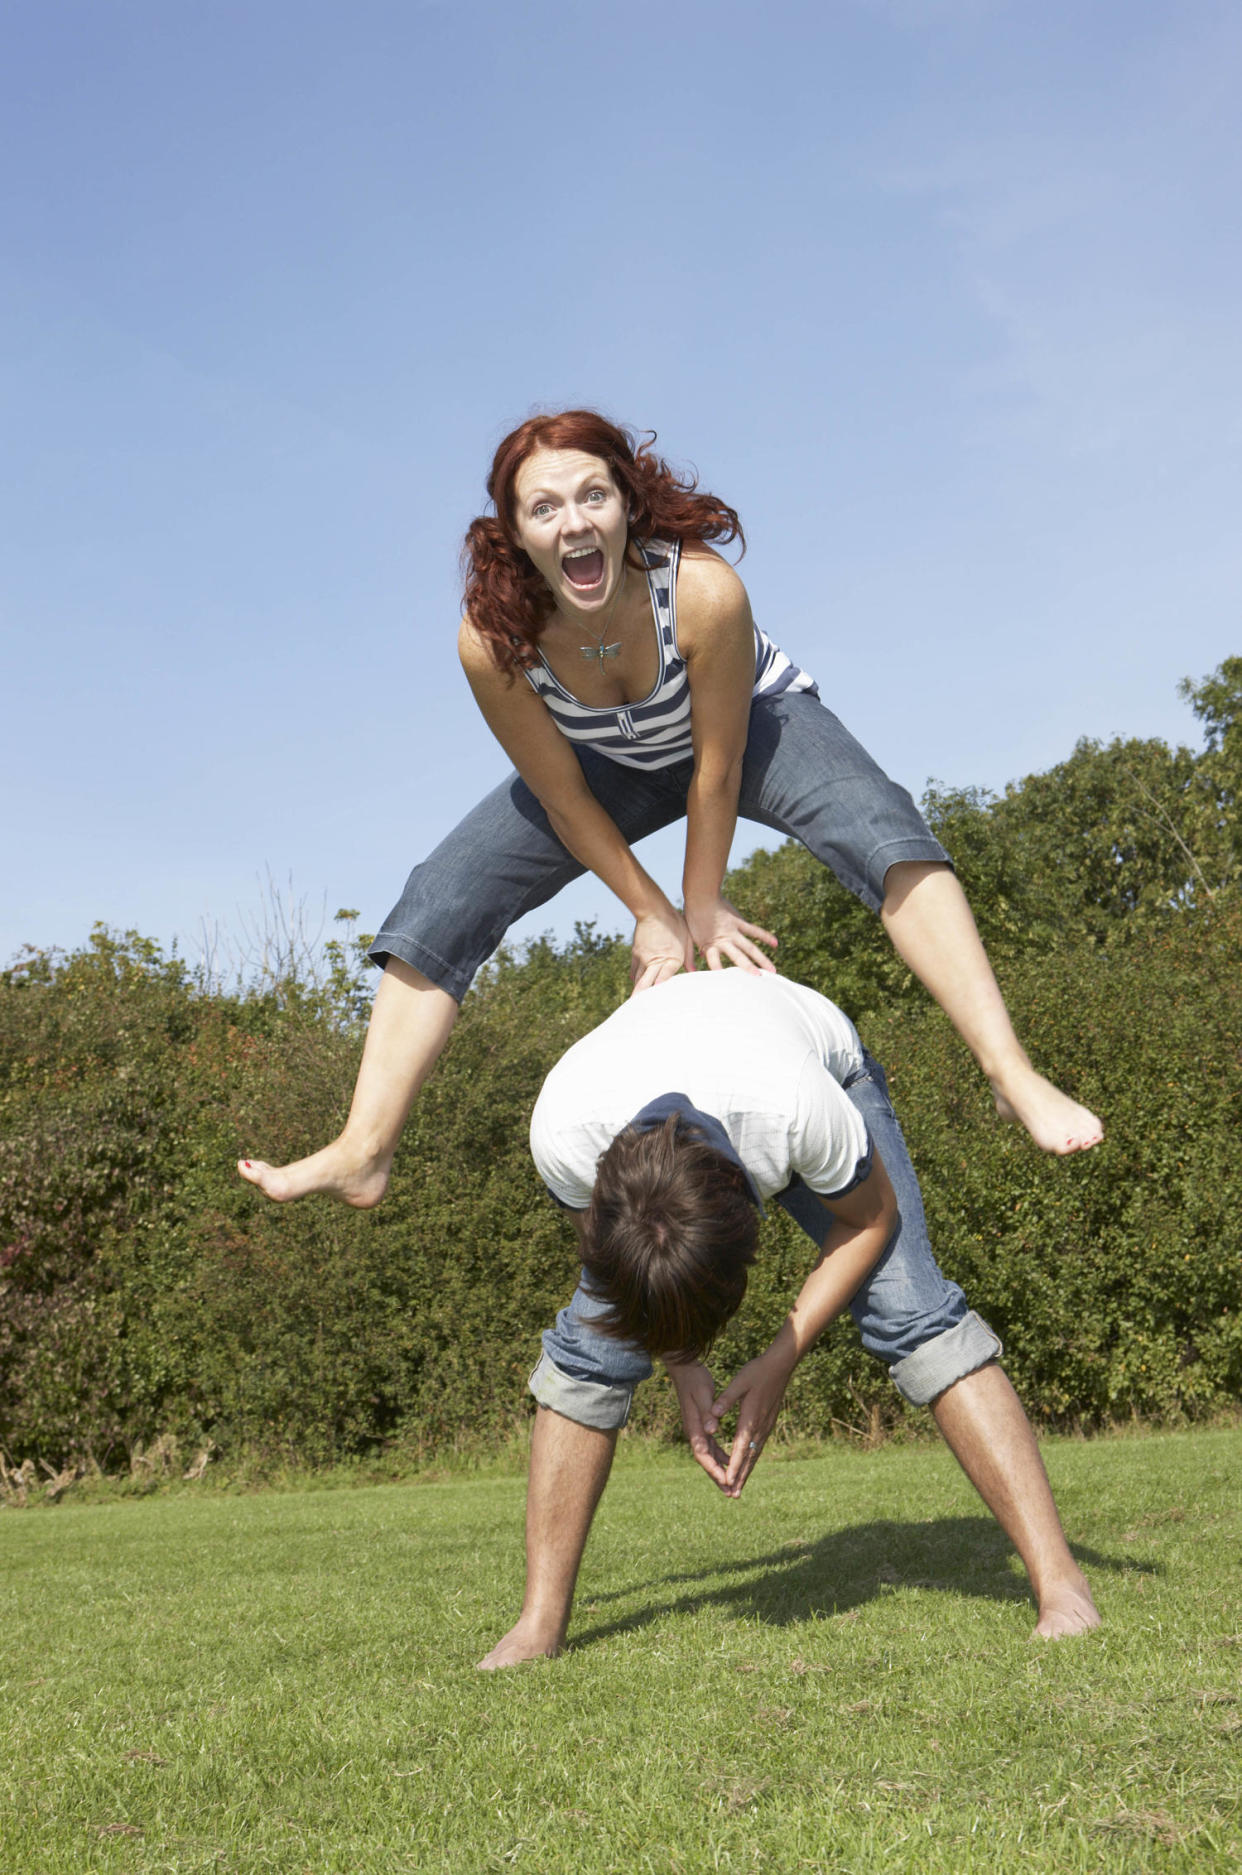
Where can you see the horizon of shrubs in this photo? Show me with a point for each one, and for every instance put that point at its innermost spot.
(147, 1292)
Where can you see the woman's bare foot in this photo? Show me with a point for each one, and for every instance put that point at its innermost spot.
(524, 1642)
(1066, 1609)
(1052, 1119)
(337, 1170)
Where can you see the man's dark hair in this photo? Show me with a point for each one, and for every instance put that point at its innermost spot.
(670, 1235)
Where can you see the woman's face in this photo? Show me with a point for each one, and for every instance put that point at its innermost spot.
(571, 518)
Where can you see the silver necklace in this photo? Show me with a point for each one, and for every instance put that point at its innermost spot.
(599, 649)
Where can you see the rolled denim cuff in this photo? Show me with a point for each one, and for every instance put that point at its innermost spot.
(924, 1375)
(588, 1402)
(444, 974)
(924, 850)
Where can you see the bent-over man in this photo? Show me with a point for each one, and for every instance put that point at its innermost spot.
(663, 1132)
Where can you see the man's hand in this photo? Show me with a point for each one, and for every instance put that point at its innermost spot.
(661, 947)
(722, 935)
(757, 1391)
(695, 1388)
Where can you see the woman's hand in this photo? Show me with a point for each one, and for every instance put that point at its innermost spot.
(695, 1388)
(662, 946)
(720, 933)
(757, 1391)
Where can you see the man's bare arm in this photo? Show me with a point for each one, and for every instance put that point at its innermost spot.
(861, 1224)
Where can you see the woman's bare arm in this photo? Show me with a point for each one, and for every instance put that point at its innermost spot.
(716, 635)
(523, 726)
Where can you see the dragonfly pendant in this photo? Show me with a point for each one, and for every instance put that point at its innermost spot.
(600, 651)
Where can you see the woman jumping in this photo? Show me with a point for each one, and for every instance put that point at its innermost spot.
(614, 657)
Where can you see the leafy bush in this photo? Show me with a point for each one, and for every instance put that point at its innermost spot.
(145, 1290)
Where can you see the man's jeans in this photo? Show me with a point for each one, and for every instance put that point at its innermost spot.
(907, 1312)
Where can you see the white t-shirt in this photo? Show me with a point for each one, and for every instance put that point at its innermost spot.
(764, 1056)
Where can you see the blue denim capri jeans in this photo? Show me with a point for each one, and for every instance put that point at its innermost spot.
(804, 776)
(907, 1312)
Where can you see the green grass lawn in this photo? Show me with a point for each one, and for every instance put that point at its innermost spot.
(832, 1674)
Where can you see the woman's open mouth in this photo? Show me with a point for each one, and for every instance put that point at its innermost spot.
(584, 567)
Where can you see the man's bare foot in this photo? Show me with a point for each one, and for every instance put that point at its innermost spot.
(336, 1171)
(521, 1643)
(1052, 1119)
(1066, 1609)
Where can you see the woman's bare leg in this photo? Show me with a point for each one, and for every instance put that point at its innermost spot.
(411, 1020)
(932, 929)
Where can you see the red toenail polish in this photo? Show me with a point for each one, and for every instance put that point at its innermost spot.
(247, 1165)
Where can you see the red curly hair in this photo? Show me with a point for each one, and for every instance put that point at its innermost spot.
(508, 602)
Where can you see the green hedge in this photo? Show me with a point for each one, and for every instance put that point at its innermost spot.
(145, 1289)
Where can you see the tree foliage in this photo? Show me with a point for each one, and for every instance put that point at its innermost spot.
(145, 1289)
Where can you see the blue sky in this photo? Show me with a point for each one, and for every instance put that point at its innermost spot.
(944, 297)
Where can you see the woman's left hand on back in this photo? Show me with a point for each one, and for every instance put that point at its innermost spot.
(721, 935)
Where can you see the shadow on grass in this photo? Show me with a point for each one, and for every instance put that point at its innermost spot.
(801, 1581)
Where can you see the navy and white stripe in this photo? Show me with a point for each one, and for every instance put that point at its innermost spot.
(656, 732)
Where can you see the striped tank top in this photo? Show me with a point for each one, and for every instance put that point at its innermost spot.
(656, 732)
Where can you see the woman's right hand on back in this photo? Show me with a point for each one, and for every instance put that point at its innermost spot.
(662, 946)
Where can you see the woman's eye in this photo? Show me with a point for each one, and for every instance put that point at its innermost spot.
(543, 510)
(598, 494)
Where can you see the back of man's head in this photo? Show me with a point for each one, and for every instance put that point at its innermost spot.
(670, 1235)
